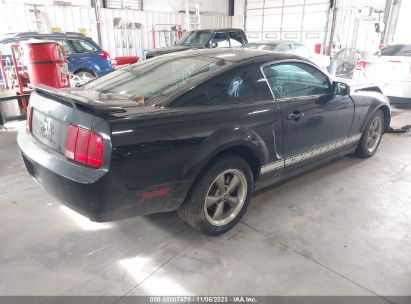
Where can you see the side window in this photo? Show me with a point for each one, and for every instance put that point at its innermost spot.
(302, 50)
(66, 46)
(296, 80)
(285, 48)
(238, 85)
(220, 38)
(81, 46)
(236, 38)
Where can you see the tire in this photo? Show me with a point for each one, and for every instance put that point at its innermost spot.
(85, 74)
(222, 210)
(372, 135)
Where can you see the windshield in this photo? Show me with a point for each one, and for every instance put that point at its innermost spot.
(195, 38)
(261, 46)
(395, 50)
(148, 81)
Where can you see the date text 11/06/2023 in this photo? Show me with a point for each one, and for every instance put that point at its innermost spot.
(203, 299)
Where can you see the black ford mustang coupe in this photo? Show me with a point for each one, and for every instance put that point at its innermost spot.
(197, 131)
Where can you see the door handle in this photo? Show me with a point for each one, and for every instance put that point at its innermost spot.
(295, 115)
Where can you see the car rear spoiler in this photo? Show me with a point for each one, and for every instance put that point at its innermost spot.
(76, 101)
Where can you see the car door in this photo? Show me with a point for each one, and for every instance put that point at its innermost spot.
(84, 56)
(316, 121)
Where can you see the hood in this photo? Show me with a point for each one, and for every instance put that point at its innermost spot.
(171, 49)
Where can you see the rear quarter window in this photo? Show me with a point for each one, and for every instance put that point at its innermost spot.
(81, 46)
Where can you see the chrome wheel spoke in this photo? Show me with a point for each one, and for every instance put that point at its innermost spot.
(220, 182)
(211, 200)
(233, 184)
(218, 213)
(225, 197)
(233, 201)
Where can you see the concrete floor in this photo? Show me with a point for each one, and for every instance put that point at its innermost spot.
(344, 229)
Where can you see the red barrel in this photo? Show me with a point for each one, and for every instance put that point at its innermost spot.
(46, 64)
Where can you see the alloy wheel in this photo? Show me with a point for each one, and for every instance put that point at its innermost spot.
(374, 134)
(225, 197)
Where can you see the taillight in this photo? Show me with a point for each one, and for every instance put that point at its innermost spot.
(364, 65)
(105, 55)
(29, 124)
(84, 146)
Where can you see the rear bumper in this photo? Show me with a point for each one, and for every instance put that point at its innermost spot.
(102, 200)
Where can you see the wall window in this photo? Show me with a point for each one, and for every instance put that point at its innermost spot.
(296, 80)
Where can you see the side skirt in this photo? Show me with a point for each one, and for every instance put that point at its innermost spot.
(298, 171)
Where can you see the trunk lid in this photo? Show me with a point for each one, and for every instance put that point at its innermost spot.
(53, 111)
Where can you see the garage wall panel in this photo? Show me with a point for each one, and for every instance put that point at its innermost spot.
(123, 32)
(298, 20)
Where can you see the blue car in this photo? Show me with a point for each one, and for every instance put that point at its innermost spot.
(85, 58)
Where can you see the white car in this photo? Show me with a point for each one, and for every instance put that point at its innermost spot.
(291, 47)
(390, 69)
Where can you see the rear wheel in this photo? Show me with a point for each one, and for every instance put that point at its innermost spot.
(82, 77)
(372, 135)
(219, 197)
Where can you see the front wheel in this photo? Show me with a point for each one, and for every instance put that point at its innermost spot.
(372, 135)
(220, 196)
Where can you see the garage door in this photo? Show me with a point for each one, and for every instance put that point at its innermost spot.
(300, 20)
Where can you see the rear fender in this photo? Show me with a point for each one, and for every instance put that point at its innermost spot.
(220, 141)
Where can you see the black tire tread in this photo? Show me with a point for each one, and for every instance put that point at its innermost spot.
(191, 210)
(361, 150)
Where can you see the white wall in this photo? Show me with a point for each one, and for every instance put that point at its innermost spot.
(214, 7)
(402, 30)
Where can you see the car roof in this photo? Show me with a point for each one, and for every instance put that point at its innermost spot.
(28, 35)
(218, 29)
(238, 54)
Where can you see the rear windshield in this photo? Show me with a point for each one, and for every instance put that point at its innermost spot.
(147, 82)
(195, 38)
(261, 46)
(395, 50)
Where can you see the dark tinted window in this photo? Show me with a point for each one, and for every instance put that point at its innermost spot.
(396, 50)
(245, 84)
(220, 38)
(296, 80)
(236, 38)
(153, 80)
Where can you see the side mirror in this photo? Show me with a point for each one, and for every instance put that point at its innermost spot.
(341, 89)
(213, 45)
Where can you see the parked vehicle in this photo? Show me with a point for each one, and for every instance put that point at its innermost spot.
(195, 131)
(85, 58)
(390, 68)
(201, 39)
(291, 47)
